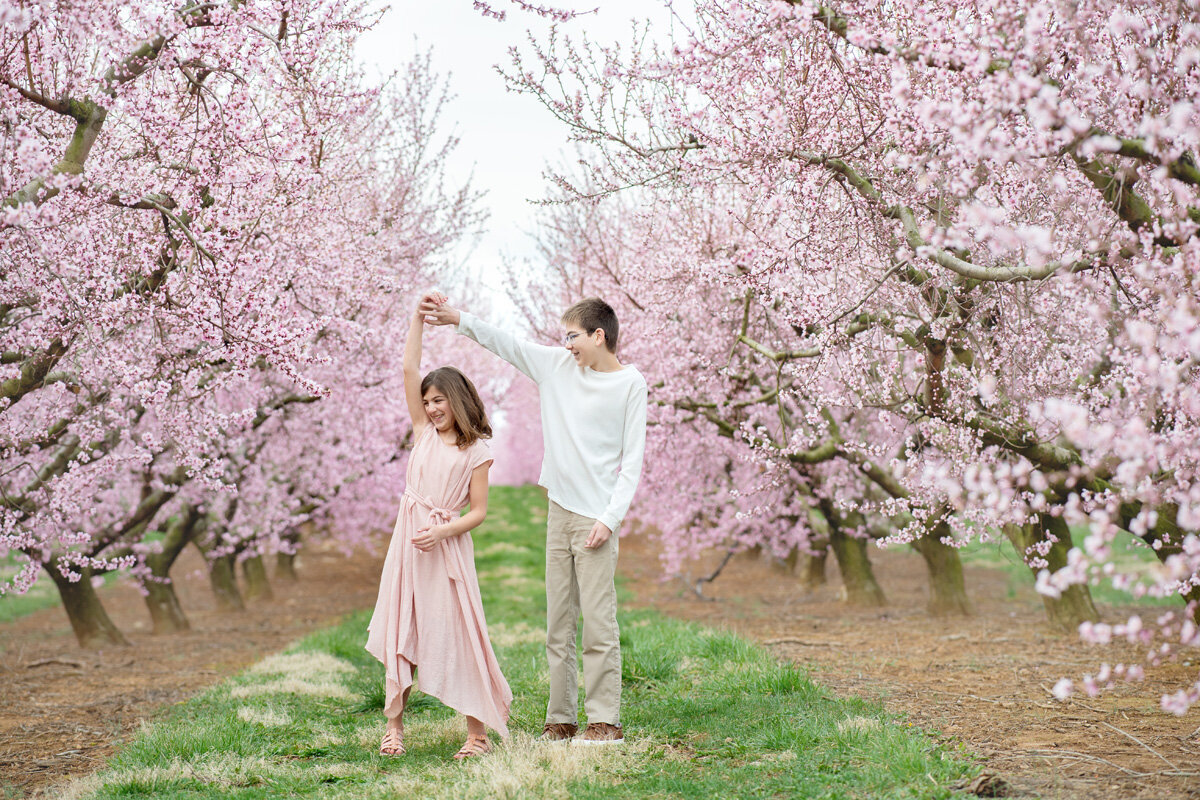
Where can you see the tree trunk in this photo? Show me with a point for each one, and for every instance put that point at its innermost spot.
(787, 564)
(813, 571)
(1075, 605)
(814, 566)
(949, 594)
(165, 611)
(285, 563)
(857, 576)
(285, 567)
(221, 574)
(223, 579)
(93, 628)
(254, 570)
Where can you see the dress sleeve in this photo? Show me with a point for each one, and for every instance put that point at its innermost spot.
(480, 454)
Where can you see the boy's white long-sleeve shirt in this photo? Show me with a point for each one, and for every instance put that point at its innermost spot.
(593, 423)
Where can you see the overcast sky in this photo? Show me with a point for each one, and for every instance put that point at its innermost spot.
(506, 139)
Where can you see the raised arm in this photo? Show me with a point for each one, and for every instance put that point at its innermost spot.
(412, 375)
(535, 360)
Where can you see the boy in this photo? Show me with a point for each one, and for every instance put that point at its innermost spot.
(594, 427)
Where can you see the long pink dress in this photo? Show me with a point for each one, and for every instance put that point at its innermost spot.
(429, 613)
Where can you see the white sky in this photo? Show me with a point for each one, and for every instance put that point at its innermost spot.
(506, 139)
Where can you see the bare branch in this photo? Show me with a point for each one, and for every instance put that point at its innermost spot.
(783, 355)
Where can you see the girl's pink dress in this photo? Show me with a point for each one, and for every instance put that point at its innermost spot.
(429, 613)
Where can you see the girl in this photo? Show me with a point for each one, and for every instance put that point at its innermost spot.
(429, 613)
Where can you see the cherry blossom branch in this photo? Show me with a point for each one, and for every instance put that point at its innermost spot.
(144, 512)
(839, 26)
(57, 106)
(1183, 168)
(550, 12)
(912, 233)
(781, 355)
(1117, 191)
(90, 116)
(33, 373)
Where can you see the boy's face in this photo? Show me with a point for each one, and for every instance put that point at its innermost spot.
(586, 348)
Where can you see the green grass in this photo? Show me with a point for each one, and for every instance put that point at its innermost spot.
(707, 714)
(1130, 553)
(41, 595)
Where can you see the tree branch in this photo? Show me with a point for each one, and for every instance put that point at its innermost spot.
(781, 355)
(912, 232)
(840, 27)
(57, 106)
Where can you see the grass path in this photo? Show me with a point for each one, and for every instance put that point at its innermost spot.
(707, 714)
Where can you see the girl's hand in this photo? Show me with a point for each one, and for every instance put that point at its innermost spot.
(427, 538)
(430, 301)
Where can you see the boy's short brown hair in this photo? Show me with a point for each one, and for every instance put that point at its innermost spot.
(593, 314)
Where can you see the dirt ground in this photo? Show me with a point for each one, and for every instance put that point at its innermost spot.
(982, 681)
(64, 710)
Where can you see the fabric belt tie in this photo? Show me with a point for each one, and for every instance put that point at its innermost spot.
(455, 567)
(437, 516)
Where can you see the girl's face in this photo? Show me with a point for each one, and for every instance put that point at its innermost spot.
(437, 408)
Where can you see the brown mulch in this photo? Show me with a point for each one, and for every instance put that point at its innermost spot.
(982, 681)
(64, 710)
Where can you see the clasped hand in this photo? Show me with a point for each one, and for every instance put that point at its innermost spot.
(427, 538)
(435, 309)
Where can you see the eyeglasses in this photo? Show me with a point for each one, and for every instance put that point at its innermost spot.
(570, 337)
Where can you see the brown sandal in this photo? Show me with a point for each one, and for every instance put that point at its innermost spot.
(476, 745)
(393, 743)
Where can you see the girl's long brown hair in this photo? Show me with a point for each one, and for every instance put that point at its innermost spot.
(470, 418)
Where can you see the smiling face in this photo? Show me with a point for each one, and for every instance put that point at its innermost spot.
(586, 348)
(437, 408)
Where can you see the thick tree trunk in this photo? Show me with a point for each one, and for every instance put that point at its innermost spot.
(165, 611)
(857, 576)
(285, 563)
(223, 579)
(221, 575)
(808, 568)
(285, 567)
(948, 591)
(787, 564)
(812, 571)
(1075, 605)
(93, 628)
(813, 574)
(851, 553)
(254, 570)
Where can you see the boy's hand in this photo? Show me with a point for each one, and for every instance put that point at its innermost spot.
(598, 536)
(427, 538)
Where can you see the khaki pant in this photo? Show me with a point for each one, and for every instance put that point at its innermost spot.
(581, 580)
